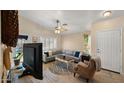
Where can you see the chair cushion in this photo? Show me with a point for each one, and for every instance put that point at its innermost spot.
(77, 53)
(83, 64)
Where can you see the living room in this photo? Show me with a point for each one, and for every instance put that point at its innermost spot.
(77, 39)
(92, 27)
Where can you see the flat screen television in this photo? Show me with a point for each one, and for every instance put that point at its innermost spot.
(32, 55)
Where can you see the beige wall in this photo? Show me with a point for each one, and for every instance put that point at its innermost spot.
(73, 41)
(28, 27)
(108, 24)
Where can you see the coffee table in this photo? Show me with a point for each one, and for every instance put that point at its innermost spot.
(64, 60)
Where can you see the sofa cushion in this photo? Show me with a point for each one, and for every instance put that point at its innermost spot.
(56, 52)
(50, 58)
(68, 52)
(76, 59)
(71, 53)
(64, 51)
(77, 53)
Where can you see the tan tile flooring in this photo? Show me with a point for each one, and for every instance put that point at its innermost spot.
(100, 77)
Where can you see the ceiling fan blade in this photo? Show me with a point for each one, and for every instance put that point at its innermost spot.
(65, 24)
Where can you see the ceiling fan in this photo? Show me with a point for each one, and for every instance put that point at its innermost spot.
(60, 27)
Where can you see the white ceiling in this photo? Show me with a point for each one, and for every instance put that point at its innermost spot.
(77, 20)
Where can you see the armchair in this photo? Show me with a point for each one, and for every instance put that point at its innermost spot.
(87, 70)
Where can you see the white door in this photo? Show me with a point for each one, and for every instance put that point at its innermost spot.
(109, 49)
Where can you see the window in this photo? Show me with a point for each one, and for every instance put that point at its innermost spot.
(49, 43)
(87, 43)
(55, 43)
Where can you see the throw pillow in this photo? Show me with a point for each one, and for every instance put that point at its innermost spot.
(47, 54)
(50, 53)
(77, 53)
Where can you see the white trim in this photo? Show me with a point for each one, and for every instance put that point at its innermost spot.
(106, 29)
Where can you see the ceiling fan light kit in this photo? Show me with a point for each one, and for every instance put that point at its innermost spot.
(57, 31)
(60, 28)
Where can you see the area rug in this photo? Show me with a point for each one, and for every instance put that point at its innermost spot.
(60, 68)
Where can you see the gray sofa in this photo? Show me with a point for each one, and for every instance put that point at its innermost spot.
(69, 55)
(49, 58)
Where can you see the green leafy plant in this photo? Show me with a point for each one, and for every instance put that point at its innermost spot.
(86, 38)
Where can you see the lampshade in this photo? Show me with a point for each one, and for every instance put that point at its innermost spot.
(58, 31)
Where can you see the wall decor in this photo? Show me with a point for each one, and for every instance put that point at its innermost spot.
(9, 27)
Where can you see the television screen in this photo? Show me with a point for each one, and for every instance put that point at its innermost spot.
(29, 57)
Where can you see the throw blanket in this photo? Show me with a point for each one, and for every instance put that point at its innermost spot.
(98, 63)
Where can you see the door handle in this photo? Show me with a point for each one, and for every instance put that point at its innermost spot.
(98, 50)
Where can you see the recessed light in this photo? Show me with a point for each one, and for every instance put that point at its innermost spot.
(107, 13)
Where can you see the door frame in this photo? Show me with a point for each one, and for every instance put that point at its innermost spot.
(121, 36)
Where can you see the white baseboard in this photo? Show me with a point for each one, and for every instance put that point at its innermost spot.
(122, 73)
